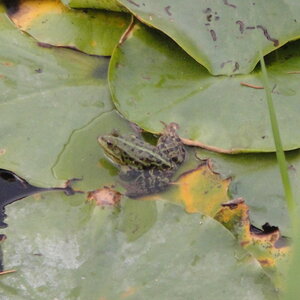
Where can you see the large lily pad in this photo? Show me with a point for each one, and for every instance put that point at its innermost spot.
(91, 31)
(46, 93)
(91, 257)
(153, 80)
(224, 36)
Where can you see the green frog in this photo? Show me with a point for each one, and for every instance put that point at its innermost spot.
(145, 168)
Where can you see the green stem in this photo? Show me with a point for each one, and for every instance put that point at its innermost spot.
(278, 145)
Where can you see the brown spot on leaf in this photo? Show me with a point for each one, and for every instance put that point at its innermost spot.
(105, 197)
(207, 10)
(267, 35)
(132, 2)
(208, 18)
(241, 25)
(228, 4)
(167, 10)
(213, 35)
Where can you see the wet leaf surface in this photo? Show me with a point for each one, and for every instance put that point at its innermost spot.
(46, 94)
(217, 113)
(90, 31)
(224, 36)
(93, 257)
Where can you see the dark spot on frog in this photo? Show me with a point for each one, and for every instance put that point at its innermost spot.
(267, 35)
(207, 24)
(250, 27)
(167, 10)
(39, 70)
(217, 18)
(101, 71)
(132, 2)
(263, 137)
(213, 35)
(13, 188)
(228, 4)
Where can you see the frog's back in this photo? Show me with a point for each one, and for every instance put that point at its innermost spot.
(144, 154)
(171, 146)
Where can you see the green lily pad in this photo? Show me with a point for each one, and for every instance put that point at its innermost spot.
(99, 4)
(46, 93)
(90, 31)
(153, 80)
(224, 36)
(91, 257)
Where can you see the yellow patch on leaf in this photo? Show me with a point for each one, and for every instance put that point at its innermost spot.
(267, 245)
(29, 10)
(202, 190)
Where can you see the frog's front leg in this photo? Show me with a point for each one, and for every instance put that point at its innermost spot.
(128, 173)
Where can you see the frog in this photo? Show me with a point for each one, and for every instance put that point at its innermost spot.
(144, 167)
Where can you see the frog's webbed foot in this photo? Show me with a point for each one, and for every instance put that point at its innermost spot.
(68, 189)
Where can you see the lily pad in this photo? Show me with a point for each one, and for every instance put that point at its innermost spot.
(46, 93)
(91, 257)
(153, 80)
(90, 31)
(224, 36)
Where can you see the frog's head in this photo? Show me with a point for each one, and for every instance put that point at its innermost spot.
(110, 145)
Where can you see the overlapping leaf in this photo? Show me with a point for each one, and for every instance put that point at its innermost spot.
(91, 31)
(153, 80)
(224, 36)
